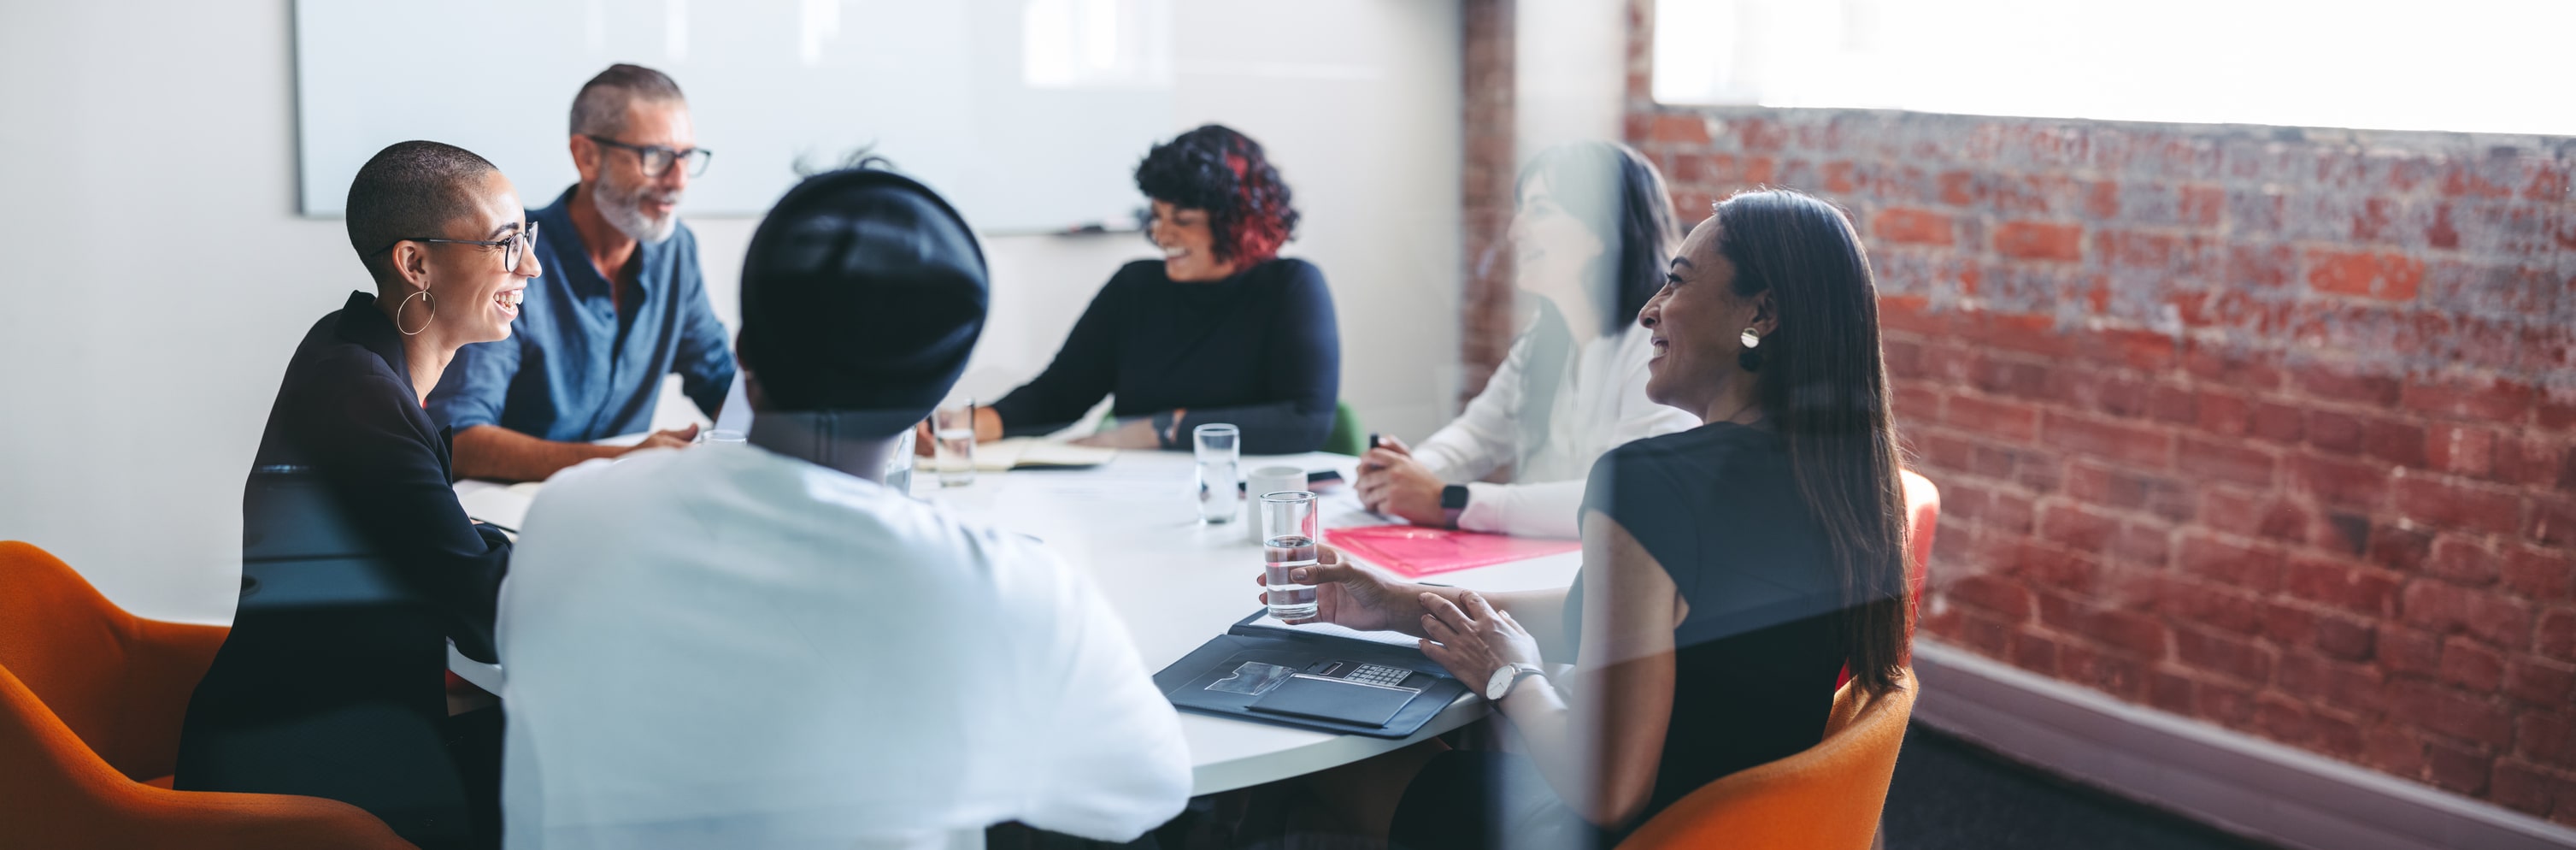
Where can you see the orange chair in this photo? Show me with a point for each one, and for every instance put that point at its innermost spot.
(1827, 798)
(91, 700)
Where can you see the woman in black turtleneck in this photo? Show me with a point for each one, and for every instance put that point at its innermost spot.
(1219, 330)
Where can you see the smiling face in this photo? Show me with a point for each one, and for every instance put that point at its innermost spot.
(474, 293)
(1188, 243)
(645, 208)
(1550, 247)
(1695, 324)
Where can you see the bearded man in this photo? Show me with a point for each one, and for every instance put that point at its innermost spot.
(620, 305)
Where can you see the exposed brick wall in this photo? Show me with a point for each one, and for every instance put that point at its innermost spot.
(2267, 427)
(1486, 189)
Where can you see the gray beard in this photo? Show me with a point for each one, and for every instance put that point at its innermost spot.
(624, 210)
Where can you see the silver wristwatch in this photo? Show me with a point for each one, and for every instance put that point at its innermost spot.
(1500, 685)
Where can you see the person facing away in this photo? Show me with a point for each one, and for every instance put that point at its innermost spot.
(621, 303)
(1729, 571)
(1590, 232)
(289, 707)
(761, 646)
(1221, 329)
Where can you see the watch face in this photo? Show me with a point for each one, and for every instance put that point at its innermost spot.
(1500, 684)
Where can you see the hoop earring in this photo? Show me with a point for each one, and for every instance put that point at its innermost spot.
(1750, 358)
(431, 303)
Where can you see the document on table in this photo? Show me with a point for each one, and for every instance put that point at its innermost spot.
(503, 506)
(1024, 452)
(1388, 638)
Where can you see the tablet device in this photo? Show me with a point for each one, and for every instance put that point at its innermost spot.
(1334, 699)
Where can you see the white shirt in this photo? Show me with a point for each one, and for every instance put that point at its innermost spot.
(1601, 405)
(724, 647)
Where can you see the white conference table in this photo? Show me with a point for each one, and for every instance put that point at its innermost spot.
(1176, 583)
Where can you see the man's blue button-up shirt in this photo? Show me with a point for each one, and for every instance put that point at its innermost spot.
(575, 369)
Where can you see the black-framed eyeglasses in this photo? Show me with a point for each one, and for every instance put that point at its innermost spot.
(514, 247)
(658, 159)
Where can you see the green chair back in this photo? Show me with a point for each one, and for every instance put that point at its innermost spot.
(1347, 438)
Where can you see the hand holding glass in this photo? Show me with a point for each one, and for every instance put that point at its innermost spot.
(1290, 520)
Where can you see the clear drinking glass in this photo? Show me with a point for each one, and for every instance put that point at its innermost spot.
(1220, 497)
(898, 466)
(1290, 518)
(952, 444)
(718, 436)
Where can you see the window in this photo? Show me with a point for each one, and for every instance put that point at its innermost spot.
(2466, 65)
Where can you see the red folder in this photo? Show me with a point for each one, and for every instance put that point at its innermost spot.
(1414, 552)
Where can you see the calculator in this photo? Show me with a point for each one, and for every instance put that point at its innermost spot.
(1379, 674)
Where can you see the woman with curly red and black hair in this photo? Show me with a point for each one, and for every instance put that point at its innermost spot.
(1221, 329)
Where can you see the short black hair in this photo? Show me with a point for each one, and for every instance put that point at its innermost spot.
(863, 292)
(1617, 193)
(600, 107)
(1224, 172)
(410, 190)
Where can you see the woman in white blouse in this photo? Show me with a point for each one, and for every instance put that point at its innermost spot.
(1591, 233)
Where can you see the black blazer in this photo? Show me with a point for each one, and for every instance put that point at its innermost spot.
(330, 683)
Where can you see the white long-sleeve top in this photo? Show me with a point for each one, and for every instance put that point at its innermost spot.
(725, 647)
(1600, 404)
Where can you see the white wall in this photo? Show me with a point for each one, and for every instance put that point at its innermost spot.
(156, 278)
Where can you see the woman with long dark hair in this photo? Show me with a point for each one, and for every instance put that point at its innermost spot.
(1219, 329)
(1730, 571)
(1591, 229)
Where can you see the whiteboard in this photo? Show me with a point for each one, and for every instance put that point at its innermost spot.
(1029, 115)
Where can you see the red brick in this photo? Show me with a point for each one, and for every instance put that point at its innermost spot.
(2030, 240)
(2284, 721)
(2351, 587)
(2111, 628)
(2398, 443)
(2339, 483)
(2457, 768)
(2542, 574)
(2541, 683)
(2408, 651)
(2076, 527)
(2279, 423)
(2002, 420)
(2528, 788)
(2396, 751)
(2546, 737)
(2553, 522)
(2288, 624)
(2461, 562)
(2115, 674)
(2501, 402)
(2471, 666)
(2450, 712)
(2034, 653)
(2125, 490)
(2345, 638)
(2339, 433)
(2230, 564)
(1680, 128)
(2346, 383)
(2444, 607)
(2557, 635)
(2222, 413)
(2344, 532)
(2402, 549)
(2227, 656)
(2170, 692)
(2266, 266)
(2003, 598)
(1911, 226)
(2462, 449)
(2129, 444)
(1989, 638)
(2389, 277)
(2222, 703)
(2442, 504)
(2142, 543)
(2225, 461)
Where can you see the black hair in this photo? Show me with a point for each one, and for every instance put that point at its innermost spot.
(410, 190)
(1823, 385)
(599, 109)
(1224, 172)
(1634, 220)
(862, 291)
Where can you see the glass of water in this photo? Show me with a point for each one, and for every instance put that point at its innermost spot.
(898, 465)
(1220, 496)
(1289, 518)
(952, 443)
(719, 437)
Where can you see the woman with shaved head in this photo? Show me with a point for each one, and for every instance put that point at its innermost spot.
(351, 708)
